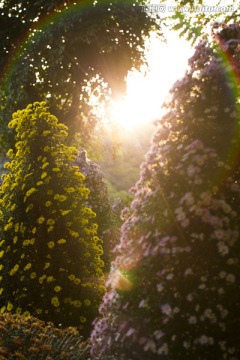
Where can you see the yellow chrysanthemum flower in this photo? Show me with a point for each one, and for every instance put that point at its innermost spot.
(77, 303)
(46, 266)
(55, 301)
(60, 198)
(30, 192)
(70, 190)
(77, 281)
(46, 148)
(13, 207)
(71, 277)
(14, 270)
(41, 219)
(9, 306)
(33, 275)
(50, 222)
(27, 267)
(62, 241)
(41, 279)
(3, 309)
(57, 288)
(26, 313)
(18, 311)
(8, 226)
(50, 244)
(46, 132)
(45, 165)
(65, 212)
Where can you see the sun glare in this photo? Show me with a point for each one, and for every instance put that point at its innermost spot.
(146, 92)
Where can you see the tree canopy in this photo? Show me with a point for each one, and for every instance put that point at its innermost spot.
(57, 50)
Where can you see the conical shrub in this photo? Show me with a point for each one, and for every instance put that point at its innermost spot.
(174, 290)
(50, 256)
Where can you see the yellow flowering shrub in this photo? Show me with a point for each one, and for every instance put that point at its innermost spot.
(51, 245)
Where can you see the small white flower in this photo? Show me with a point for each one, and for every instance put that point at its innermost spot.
(188, 271)
(190, 297)
(160, 287)
(231, 278)
(163, 350)
(192, 320)
(166, 309)
(222, 274)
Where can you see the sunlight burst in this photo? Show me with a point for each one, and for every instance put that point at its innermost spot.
(147, 92)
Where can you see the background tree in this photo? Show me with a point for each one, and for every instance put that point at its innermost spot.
(175, 289)
(50, 252)
(61, 51)
(193, 19)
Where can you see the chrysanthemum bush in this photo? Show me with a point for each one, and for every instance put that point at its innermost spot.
(174, 289)
(50, 255)
(28, 338)
(99, 201)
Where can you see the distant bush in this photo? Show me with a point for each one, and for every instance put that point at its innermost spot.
(28, 338)
(50, 254)
(174, 289)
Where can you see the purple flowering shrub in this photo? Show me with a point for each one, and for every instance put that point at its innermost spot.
(174, 288)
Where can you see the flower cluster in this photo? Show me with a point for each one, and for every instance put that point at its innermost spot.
(29, 338)
(47, 231)
(180, 245)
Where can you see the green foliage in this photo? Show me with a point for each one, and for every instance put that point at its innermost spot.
(122, 170)
(29, 338)
(174, 289)
(193, 19)
(54, 50)
(49, 249)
